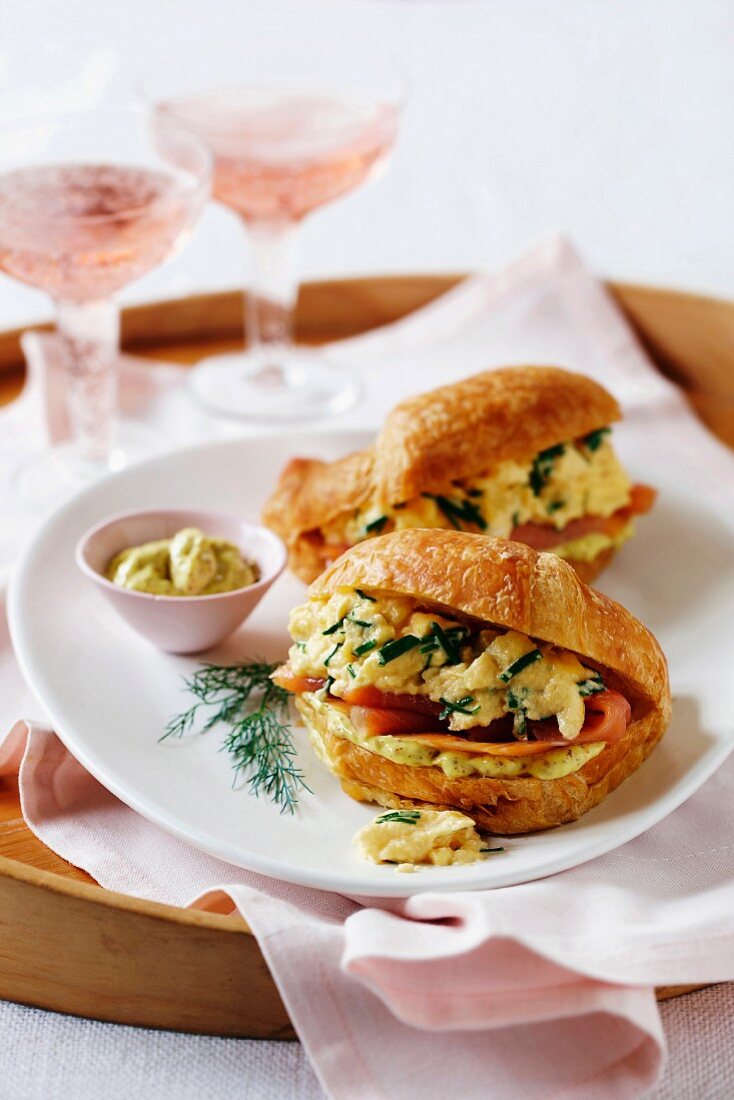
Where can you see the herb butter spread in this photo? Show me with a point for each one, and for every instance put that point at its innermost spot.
(561, 484)
(411, 837)
(189, 564)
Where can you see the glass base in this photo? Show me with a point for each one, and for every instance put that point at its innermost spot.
(47, 478)
(306, 386)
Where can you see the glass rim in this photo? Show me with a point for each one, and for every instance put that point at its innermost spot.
(144, 74)
(199, 180)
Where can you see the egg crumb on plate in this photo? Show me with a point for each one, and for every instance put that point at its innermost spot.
(413, 837)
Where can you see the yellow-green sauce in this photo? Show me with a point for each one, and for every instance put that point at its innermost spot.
(188, 564)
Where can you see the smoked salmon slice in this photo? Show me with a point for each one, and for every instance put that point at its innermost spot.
(284, 677)
(542, 536)
(607, 716)
(378, 714)
(369, 696)
(642, 498)
(376, 721)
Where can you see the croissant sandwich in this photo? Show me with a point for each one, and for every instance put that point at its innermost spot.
(438, 669)
(521, 453)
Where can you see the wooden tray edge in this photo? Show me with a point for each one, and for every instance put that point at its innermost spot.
(49, 880)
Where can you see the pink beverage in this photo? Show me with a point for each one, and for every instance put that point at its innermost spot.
(278, 156)
(82, 231)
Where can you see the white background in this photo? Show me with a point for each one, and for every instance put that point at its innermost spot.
(611, 119)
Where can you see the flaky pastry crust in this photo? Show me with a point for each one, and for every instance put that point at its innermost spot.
(459, 430)
(588, 571)
(311, 492)
(432, 440)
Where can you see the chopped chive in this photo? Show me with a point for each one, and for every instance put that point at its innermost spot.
(594, 440)
(376, 526)
(445, 506)
(301, 646)
(555, 505)
(456, 514)
(542, 467)
(519, 714)
(521, 663)
(335, 626)
(473, 515)
(333, 652)
(458, 708)
(365, 647)
(429, 644)
(592, 686)
(427, 665)
(515, 519)
(449, 641)
(536, 479)
(330, 681)
(475, 493)
(358, 622)
(365, 596)
(552, 452)
(491, 850)
(405, 817)
(391, 650)
(352, 673)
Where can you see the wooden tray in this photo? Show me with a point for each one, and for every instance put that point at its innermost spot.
(71, 946)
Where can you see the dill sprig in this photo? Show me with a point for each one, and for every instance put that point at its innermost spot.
(259, 740)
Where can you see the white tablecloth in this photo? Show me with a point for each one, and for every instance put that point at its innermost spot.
(47, 1056)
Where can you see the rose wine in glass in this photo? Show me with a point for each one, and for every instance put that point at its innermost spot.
(288, 134)
(81, 227)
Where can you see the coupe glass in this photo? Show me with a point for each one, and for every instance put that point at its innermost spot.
(88, 203)
(290, 130)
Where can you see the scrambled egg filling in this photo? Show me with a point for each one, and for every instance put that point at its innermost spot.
(356, 640)
(560, 484)
(412, 837)
(590, 546)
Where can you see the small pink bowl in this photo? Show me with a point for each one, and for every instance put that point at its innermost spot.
(180, 624)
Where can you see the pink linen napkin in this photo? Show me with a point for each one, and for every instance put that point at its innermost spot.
(367, 995)
(540, 990)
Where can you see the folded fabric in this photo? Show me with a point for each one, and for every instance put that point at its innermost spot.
(538, 990)
(365, 997)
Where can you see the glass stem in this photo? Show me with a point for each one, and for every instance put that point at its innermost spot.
(90, 336)
(271, 299)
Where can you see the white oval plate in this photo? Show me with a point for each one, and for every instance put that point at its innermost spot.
(110, 694)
